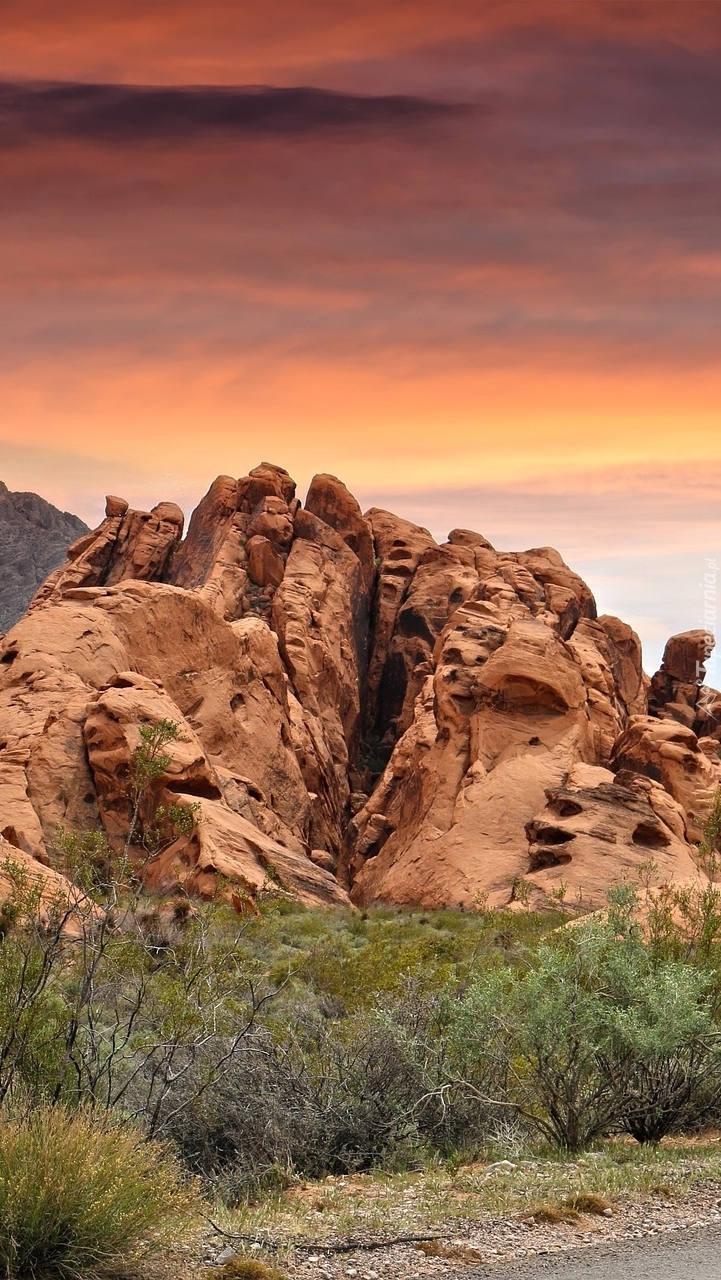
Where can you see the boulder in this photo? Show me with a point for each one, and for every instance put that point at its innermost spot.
(265, 566)
(133, 544)
(226, 850)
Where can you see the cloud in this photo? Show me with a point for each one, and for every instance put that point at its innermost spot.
(111, 113)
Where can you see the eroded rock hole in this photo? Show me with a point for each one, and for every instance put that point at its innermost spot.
(553, 836)
(650, 837)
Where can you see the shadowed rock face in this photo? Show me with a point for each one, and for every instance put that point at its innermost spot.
(34, 539)
(362, 710)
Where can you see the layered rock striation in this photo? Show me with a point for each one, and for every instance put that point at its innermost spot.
(362, 712)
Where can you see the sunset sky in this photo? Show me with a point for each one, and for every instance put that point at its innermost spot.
(465, 254)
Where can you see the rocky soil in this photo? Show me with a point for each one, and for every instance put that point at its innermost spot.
(364, 712)
(471, 1248)
(483, 1221)
(34, 539)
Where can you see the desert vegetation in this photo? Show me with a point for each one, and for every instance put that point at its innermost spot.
(208, 1052)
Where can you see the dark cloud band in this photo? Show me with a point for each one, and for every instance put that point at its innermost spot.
(128, 113)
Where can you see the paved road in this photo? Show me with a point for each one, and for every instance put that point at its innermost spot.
(679, 1255)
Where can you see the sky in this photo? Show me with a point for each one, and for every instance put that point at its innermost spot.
(464, 254)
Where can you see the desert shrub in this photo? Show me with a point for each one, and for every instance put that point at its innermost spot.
(319, 1095)
(79, 1196)
(663, 1059)
(108, 1002)
(599, 1034)
(553, 1030)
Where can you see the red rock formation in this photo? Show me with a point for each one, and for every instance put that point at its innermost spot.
(678, 691)
(669, 753)
(298, 650)
(128, 544)
(330, 501)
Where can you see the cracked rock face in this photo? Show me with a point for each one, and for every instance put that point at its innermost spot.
(363, 711)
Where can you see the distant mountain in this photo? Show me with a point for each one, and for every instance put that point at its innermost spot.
(34, 539)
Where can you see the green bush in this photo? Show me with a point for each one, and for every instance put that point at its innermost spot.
(598, 1035)
(79, 1196)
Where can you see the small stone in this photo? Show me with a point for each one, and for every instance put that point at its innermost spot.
(501, 1166)
(225, 1255)
(608, 1213)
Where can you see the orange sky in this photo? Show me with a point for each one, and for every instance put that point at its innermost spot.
(505, 282)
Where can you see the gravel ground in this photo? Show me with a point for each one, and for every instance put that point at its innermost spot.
(481, 1248)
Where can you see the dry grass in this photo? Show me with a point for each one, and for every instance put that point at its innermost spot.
(588, 1202)
(361, 1206)
(245, 1269)
(454, 1252)
(553, 1213)
(571, 1209)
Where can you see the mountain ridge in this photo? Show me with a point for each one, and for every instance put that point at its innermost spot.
(34, 538)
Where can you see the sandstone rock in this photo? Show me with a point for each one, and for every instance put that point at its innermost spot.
(226, 845)
(112, 734)
(677, 690)
(115, 506)
(265, 481)
(669, 753)
(441, 583)
(503, 719)
(273, 521)
(295, 667)
(145, 544)
(330, 501)
(323, 859)
(511, 711)
(707, 723)
(230, 682)
(625, 662)
(684, 658)
(241, 529)
(265, 566)
(320, 617)
(55, 890)
(399, 546)
(467, 538)
(136, 544)
(207, 532)
(593, 833)
(19, 823)
(549, 569)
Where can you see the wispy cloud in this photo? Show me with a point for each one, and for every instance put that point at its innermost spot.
(116, 113)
